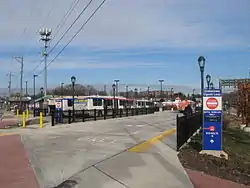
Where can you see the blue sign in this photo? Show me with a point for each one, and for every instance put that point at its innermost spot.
(212, 120)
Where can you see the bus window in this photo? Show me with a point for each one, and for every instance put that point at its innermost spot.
(108, 102)
(122, 103)
(97, 102)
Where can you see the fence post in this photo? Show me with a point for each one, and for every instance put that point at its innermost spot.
(69, 116)
(83, 116)
(126, 111)
(136, 112)
(113, 112)
(61, 115)
(52, 118)
(94, 114)
(177, 133)
(121, 112)
(105, 113)
(132, 112)
(146, 110)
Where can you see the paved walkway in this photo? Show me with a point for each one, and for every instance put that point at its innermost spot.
(201, 180)
(15, 169)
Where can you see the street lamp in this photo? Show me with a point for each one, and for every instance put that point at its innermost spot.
(62, 89)
(45, 34)
(161, 81)
(73, 81)
(114, 102)
(148, 92)
(201, 62)
(41, 91)
(172, 90)
(211, 85)
(34, 94)
(208, 79)
(116, 84)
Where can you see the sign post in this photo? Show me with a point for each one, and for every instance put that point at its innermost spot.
(212, 120)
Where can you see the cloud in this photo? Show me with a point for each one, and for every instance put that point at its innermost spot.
(123, 24)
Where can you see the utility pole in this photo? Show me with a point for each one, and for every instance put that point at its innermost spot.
(10, 82)
(161, 81)
(45, 34)
(26, 88)
(20, 60)
(105, 89)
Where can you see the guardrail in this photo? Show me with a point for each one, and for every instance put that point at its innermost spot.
(59, 117)
(186, 127)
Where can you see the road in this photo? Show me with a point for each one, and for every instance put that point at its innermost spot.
(107, 153)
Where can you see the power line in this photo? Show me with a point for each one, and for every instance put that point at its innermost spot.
(73, 23)
(79, 15)
(78, 31)
(65, 18)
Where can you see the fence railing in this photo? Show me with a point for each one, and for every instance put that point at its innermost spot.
(59, 117)
(186, 127)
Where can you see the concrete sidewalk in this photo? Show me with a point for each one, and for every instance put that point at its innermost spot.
(123, 152)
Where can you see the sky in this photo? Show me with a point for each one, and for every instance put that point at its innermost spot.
(137, 42)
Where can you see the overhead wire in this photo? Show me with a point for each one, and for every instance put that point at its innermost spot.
(78, 31)
(71, 25)
(65, 18)
(69, 28)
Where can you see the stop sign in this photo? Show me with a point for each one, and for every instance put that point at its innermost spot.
(212, 103)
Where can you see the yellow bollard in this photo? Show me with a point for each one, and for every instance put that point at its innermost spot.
(24, 120)
(41, 120)
(27, 113)
(17, 113)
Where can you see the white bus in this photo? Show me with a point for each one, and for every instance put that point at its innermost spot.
(99, 103)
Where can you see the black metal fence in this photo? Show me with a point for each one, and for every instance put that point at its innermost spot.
(186, 127)
(59, 117)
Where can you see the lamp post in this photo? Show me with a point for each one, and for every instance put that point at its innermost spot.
(116, 84)
(208, 79)
(73, 81)
(201, 62)
(171, 90)
(126, 96)
(41, 91)
(193, 95)
(62, 89)
(211, 85)
(161, 81)
(34, 94)
(148, 92)
(114, 103)
(45, 34)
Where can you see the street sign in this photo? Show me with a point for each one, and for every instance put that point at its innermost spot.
(212, 120)
(58, 104)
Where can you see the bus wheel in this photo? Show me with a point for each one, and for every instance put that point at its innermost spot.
(99, 113)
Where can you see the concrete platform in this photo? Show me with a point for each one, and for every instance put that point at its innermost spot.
(100, 154)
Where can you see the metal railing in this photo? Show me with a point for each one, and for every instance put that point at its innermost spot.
(186, 127)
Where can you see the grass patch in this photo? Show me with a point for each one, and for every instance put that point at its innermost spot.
(236, 144)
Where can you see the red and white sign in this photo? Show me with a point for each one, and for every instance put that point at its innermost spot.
(58, 104)
(210, 128)
(212, 103)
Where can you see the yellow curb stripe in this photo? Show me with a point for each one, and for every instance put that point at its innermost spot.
(7, 134)
(147, 144)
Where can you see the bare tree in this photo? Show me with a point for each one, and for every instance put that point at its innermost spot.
(79, 90)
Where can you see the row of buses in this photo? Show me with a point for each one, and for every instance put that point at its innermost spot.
(98, 102)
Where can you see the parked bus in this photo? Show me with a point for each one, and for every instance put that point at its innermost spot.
(99, 103)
